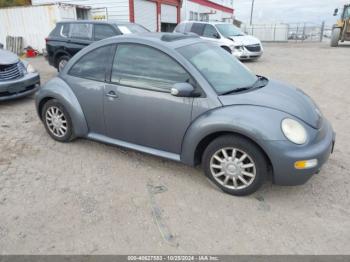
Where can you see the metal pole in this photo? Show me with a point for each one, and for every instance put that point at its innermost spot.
(322, 31)
(251, 12)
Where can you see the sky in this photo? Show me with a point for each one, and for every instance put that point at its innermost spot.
(288, 11)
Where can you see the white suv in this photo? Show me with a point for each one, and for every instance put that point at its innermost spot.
(228, 36)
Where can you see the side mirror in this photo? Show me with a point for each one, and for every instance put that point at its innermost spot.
(182, 90)
(1, 46)
(216, 35)
(336, 12)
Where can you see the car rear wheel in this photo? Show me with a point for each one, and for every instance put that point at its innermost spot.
(235, 164)
(57, 121)
(61, 62)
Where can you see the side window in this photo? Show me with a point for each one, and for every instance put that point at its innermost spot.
(81, 31)
(197, 28)
(93, 64)
(188, 27)
(64, 31)
(180, 28)
(145, 67)
(104, 31)
(210, 31)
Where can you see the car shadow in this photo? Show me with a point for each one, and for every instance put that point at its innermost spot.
(17, 101)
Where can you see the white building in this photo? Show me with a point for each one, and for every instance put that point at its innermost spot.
(156, 15)
(204, 10)
(34, 23)
(152, 14)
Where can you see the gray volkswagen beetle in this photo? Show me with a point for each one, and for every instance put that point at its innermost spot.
(17, 78)
(181, 98)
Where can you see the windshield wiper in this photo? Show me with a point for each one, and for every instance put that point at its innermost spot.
(259, 83)
(236, 90)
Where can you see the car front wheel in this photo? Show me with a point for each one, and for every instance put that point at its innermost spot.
(235, 164)
(57, 121)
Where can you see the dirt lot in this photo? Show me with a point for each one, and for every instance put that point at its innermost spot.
(90, 198)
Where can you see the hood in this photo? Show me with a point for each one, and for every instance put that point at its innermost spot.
(244, 40)
(7, 57)
(282, 97)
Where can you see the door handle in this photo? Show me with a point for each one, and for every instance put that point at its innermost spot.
(112, 94)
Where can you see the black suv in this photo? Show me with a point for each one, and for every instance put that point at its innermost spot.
(70, 37)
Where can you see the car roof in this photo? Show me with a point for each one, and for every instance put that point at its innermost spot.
(169, 40)
(114, 22)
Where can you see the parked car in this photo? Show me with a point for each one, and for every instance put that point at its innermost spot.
(68, 38)
(183, 98)
(228, 36)
(18, 78)
(297, 36)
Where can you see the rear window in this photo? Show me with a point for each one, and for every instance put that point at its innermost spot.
(81, 31)
(180, 28)
(61, 30)
(132, 29)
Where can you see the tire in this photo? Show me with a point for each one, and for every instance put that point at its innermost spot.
(57, 121)
(254, 164)
(62, 61)
(335, 37)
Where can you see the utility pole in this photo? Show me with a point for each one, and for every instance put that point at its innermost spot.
(251, 13)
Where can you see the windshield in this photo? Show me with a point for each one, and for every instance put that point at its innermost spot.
(229, 30)
(347, 13)
(132, 29)
(224, 72)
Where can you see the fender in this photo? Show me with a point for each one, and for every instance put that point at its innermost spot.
(58, 89)
(253, 122)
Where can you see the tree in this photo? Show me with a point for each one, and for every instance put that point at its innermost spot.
(7, 3)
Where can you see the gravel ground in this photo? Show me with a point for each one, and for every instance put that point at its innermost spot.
(89, 198)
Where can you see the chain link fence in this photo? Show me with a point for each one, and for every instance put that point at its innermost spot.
(297, 32)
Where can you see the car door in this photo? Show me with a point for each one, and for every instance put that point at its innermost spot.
(87, 80)
(138, 106)
(80, 36)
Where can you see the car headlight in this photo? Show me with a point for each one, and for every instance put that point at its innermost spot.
(294, 131)
(30, 68)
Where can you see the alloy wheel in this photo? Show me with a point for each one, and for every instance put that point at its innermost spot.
(56, 121)
(233, 168)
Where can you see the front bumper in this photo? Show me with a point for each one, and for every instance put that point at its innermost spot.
(245, 54)
(17, 88)
(283, 155)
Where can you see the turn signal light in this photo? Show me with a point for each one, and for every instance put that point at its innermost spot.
(303, 164)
